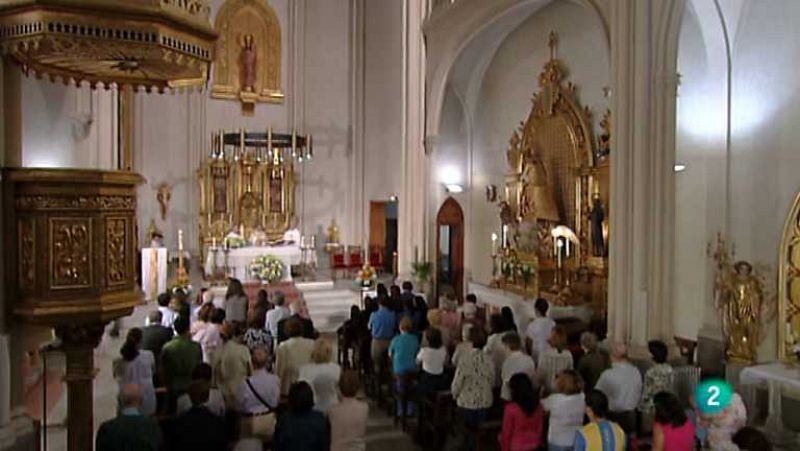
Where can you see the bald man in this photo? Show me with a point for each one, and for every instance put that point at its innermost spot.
(622, 384)
(130, 429)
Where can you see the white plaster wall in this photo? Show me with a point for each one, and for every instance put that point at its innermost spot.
(504, 100)
(765, 154)
(68, 126)
(382, 98)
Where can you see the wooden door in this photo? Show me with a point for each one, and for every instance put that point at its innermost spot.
(377, 223)
(450, 246)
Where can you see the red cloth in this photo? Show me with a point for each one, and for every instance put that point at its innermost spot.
(520, 431)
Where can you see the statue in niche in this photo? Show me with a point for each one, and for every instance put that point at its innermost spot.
(597, 217)
(276, 194)
(249, 59)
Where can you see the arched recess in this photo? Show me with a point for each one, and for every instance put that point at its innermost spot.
(235, 21)
(450, 247)
(451, 32)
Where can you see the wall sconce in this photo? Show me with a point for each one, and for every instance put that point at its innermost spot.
(393, 198)
(453, 188)
(491, 193)
(680, 167)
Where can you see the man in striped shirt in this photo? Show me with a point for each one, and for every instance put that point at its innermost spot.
(600, 434)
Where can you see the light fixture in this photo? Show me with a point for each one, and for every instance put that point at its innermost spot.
(679, 167)
(393, 198)
(453, 188)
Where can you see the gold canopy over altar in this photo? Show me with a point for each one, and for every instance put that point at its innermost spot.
(554, 236)
(247, 186)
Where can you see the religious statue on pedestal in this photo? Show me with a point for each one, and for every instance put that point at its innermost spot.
(249, 58)
(598, 216)
(739, 295)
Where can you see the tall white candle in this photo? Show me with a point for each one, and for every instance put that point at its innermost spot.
(180, 240)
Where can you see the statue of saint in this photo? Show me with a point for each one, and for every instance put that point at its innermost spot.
(597, 216)
(740, 298)
(249, 58)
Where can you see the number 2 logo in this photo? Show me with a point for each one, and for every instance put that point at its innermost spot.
(714, 391)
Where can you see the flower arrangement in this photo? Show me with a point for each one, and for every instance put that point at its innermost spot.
(366, 276)
(234, 241)
(422, 271)
(267, 268)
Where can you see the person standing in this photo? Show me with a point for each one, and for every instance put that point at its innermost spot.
(566, 408)
(302, 428)
(658, 378)
(137, 366)
(516, 362)
(275, 316)
(622, 384)
(523, 417)
(348, 418)
(130, 429)
(179, 358)
(539, 330)
(199, 429)
(291, 355)
(472, 385)
(672, 429)
(154, 335)
(259, 396)
(555, 359)
(323, 375)
(382, 325)
(600, 434)
(236, 302)
(231, 364)
(296, 309)
(593, 362)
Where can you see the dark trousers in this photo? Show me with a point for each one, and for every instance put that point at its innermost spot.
(626, 420)
(473, 418)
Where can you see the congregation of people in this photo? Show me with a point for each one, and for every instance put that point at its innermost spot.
(257, 376)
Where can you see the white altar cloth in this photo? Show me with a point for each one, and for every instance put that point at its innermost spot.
(780, 380)
(154, 272)
(239, 259)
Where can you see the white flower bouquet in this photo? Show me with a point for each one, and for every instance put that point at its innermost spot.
(267, 268)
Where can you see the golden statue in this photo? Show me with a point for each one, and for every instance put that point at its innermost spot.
(739, 296)
(333, 233)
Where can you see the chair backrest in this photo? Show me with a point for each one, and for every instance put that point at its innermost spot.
(338, 258)
(684, 382)
(355, 255)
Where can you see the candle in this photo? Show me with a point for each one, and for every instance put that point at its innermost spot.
(180, 240)
(313, 241)
(214, 242)
(494, 243)
(566, 241)
(504, 241)
(559, 245)
(241, 230)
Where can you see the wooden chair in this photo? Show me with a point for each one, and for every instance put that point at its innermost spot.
(355, 258)
(338, 262)
(376, 257)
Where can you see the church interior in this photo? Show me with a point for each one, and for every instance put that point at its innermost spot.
(584, 185)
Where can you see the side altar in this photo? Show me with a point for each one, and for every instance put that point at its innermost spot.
(247, 201)
(555, 205)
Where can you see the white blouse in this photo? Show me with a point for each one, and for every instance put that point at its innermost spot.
(432, 360)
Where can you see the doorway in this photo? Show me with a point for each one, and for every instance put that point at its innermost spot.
(450, 248)
(382, 234)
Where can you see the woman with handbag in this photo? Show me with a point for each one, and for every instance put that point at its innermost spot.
(259, 396)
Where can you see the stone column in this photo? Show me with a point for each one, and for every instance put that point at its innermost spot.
(413, 217)
(644, 40)
(78, 344)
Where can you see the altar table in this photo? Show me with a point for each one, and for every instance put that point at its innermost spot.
(239, 259)
(780, 380)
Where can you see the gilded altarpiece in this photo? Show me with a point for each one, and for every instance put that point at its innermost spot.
(558, 185)
(247, 185)
(789, 287)
(248, 59)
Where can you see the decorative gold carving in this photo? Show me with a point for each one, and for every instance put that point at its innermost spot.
(554, 174)
(70, 239)
(743, 302)
(153, 43)
(248, 62)
(38, 202)
(26, 229)
(789, 287)
(116, 251)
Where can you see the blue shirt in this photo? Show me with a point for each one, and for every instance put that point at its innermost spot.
(383, 324)
(404, 349)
